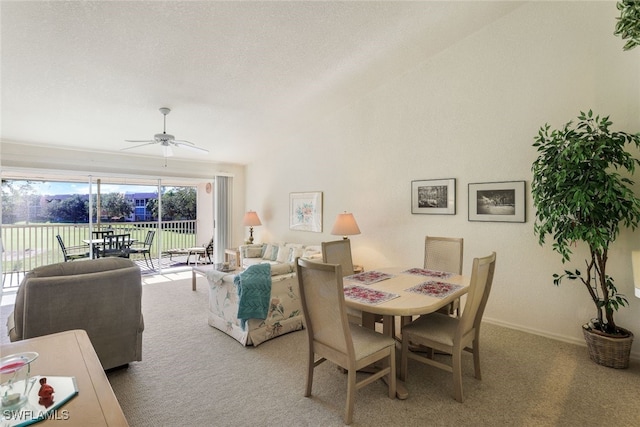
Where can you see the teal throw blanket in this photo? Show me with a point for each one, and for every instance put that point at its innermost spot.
(254, 293)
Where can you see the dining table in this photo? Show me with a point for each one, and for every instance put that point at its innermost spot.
(401, 292)
(98, 243)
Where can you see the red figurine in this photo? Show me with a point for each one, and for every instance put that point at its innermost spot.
(45, 393)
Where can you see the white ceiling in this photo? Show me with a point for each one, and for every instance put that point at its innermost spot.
(239, 76)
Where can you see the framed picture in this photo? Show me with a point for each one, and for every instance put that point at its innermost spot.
(433, 196)
(305, 211)
(497, 201)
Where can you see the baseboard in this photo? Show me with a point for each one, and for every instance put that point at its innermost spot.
(635, 356)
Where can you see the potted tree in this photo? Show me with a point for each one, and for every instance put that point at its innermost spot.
(582, 194)
(628, 25)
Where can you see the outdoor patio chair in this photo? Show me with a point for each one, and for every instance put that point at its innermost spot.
(144, 248)
(201, 252)
(116, 245)
(72, 253)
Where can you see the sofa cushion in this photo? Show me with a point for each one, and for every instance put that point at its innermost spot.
(284, 268)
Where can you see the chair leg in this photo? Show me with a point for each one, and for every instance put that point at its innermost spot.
(311, 366)
(456, 365)
(351, 394)
(476, 359)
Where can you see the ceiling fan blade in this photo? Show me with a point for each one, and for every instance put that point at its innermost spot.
(136, 146)
(192, 147)
(139, 140)
(182, 141)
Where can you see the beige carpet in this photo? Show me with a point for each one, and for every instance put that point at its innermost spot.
(194, 375)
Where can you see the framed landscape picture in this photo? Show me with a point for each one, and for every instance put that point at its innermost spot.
(497, 201)
(305, 211)
(433, 196)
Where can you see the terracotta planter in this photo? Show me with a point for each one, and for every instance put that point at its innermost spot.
(608, 350)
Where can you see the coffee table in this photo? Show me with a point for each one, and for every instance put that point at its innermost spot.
(71, 354)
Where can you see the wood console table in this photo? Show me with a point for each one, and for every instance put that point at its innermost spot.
(71, 354)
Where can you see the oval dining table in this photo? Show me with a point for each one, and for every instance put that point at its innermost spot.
(401, 291)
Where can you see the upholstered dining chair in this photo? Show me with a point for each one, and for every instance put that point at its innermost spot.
(339, 252)
(452, 335)
(445, 254)
(144, 248)
(72, 253)
(331, 336)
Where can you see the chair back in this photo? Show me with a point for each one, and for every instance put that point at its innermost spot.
(209, 248)
(149, 239)
(338, 252)
(64, 249)
(323, 306)
(479, 288)
(101, 234)
(443, 254)
(116, 245)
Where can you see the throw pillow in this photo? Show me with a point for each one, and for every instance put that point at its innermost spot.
(295, 253)
(253, 253)
(268, 249)
(282, 255)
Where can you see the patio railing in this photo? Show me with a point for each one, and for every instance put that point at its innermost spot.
(29, 246)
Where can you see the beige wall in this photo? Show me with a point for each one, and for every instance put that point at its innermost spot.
(469, 113)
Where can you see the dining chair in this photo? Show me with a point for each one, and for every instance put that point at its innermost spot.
(339, 252)
(201, 252)
(452, 335)
(144, 248)
(332, 337)
(72, 253)
(445, 254)
(116, 245)
(99, 234)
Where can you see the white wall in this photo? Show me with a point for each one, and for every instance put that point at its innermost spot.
(470, 113)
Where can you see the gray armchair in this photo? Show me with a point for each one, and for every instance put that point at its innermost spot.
(102, 296)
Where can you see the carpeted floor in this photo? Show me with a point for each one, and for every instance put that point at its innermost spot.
(194, 375)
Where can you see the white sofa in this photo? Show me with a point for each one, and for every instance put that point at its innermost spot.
(285, 310)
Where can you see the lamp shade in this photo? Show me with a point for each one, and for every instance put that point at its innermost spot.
(251, 219)
(635, 260)
(345, 225)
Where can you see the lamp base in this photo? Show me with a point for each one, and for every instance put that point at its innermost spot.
(251, 235)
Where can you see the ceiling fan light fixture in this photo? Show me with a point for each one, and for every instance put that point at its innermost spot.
(166, 150)
(166, 140)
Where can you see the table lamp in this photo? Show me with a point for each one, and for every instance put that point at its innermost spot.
(345, 225)
(635, 260)
(251, 220)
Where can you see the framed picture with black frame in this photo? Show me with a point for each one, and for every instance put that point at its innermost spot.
(433, 196)
(497, 201)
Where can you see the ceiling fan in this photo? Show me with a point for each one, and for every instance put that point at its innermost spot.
(166, 140)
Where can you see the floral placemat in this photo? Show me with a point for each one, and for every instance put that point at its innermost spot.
(430, 273)
(434, 288)
(367, 295)
(368, 277)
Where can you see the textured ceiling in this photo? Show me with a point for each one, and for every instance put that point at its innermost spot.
(238, 76)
